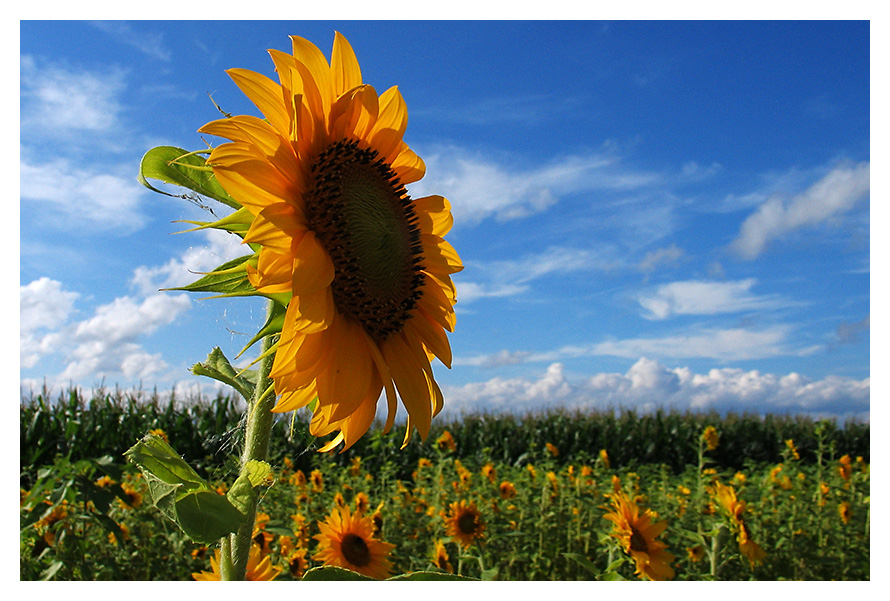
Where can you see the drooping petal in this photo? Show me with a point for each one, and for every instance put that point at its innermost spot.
(266, 95)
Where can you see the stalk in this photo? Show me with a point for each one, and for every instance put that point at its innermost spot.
(236, 547)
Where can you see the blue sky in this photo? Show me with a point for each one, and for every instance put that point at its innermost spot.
(650, 213)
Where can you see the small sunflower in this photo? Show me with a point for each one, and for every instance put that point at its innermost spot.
(441, 559)
(843, 511)
(711, 437)
(259, 567)
(297, 564)
(507, 489)
(347, 540)
(637, 535)
(364, 268)
(464, 523)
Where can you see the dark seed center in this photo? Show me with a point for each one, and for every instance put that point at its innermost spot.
(467, 523)
(364, 218)
(638, 542)
(355, 550)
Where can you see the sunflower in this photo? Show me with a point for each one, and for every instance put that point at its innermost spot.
(507, 489)
(347, 540)
(441, 559)
(259, 567)
(711, 438)
(464, 523)
(362, 266)
(637, 535)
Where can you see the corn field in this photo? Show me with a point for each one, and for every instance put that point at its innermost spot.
(742, 497)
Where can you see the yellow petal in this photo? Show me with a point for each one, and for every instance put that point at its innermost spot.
(407, 165)
(277, 227)
(434, 214)
(432, 335)
(386, 136)
(266, 95)
(408, 375)
(344, 66)
(313, 268)
(307, 54)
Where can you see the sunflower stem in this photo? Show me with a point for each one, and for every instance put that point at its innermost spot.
(236, 547)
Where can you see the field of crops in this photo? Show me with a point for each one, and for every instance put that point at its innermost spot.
(556, 496)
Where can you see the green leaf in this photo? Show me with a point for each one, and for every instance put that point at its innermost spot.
(274, 324)
(181, 494)
(333, 573)
(206, 516)
(229, 279)
(155, 456)
(173, 165)
(217, 366)
(424, 576)
(585, 563)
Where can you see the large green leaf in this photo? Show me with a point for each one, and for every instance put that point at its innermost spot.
(181, 494)
(173, 165)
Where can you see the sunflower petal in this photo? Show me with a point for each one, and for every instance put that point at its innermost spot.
(344, 66)
(266, 95)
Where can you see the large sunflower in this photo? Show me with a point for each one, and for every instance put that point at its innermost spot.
(638, 536)
(364, 266)
(347, 540)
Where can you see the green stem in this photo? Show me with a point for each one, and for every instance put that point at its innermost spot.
(236, 547)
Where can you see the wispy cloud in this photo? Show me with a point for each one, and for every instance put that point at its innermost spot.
(60, 102)
(60, 193)
(697, 297)
(480, 187)
(721, 344)
(833, 195)
(149, 43)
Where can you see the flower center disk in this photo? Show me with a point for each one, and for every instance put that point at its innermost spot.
(355, 550)
(364, 218)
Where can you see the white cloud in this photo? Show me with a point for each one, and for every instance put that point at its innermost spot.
(43, 305)
(666, 256)
(151, 44)
(833, 195)
(696, 297)
(58, 102)
(648, 385)
(731, 344)
(219, 248)
(76, 199)
(479, 188)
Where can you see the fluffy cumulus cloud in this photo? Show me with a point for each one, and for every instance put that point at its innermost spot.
(647, 384)
(830, 197)
(44, 306)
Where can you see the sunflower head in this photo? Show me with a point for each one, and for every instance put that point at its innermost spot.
(464, 523)
(638, 537)
(347, 540)
(360, 268)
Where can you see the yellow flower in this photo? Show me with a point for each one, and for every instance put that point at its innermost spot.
(551, 449)
(161, 434)
(317, 481)
(440, 558)
(790, 444)
(844, 511)
(748, 547)
(845, 469)
(445, 442)
(363, 267)
(355, 466)
(507, 490)
(297, 563)
(637, 535)
(464, 523)
(489, 472)
(604, 457)
(696, 553)
(259, 567)
(362, 503)
(347, 540)
(711, 437)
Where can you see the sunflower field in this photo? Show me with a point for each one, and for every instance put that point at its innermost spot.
(555, 496)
